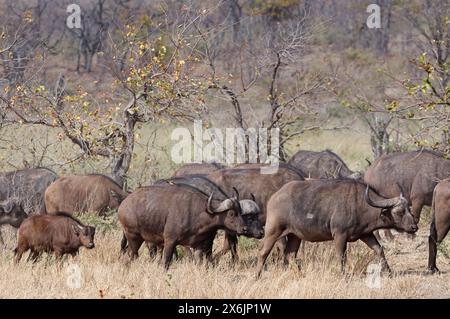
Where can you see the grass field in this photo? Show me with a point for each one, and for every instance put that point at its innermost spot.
(104, 274)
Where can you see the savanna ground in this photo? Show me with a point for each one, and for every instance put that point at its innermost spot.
(105, 275)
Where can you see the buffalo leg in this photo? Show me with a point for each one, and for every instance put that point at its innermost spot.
(269, 242)
(372, 242)
(432, 248)
(280, 248)
(59, 259)
(152, 249)
(2, 242)
(292, 246)
(208, 249)
(204, 251)
(229, 244)
(33, 256)
(198, 256)
(123, 244)
(18, 252)
(134, 243)
(437, 235)
(340, 243)
(59, 254)
(169, 248)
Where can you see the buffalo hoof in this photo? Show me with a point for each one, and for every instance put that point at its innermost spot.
(433, 270)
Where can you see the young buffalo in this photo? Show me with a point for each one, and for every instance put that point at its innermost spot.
(60, 233)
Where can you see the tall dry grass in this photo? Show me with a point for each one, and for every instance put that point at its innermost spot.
(104, 274)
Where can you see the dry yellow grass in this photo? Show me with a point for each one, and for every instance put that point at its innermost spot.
(105, 275)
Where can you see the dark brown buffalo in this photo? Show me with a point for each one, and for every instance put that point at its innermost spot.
(199, 182)
(197, 168)
(322, 165)
(170, 215)
(339, 210)
(440, 224)
(27, 187)
(12, 214)
(85, 193)
(413, 173)
(249, 181)
(59, 233)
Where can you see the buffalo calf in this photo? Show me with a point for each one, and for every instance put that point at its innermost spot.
(59, 233)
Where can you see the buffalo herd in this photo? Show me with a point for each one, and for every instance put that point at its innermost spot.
(313, 197)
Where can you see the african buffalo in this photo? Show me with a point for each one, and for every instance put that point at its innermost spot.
(170, 215)
(27, 187)
(250, 181)
(440, 224)
(339, 210)
(12, 214)
(197, 168)
(322, 165)
(60, 233)
(199, 182)
(413, 173)
(86, 193)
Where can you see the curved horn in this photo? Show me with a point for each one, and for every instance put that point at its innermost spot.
(208, 205)
(253, 197)
(224, 206)
(384, 203)
(236, 192)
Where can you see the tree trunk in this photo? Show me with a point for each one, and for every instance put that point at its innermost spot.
(379, 138)
(236, 14)
(122, 164)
